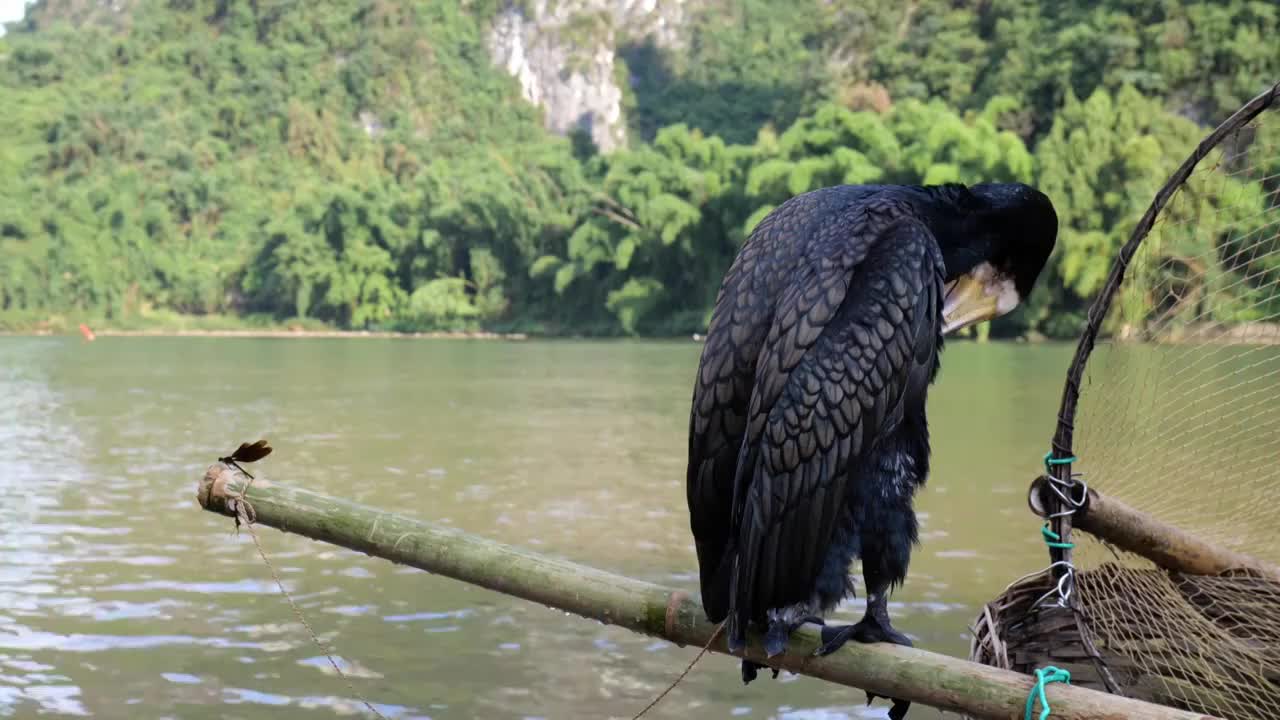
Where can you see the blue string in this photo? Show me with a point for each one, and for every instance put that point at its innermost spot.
(1050, 674)
(1050, 460)
(1044, 676)
(1053, 540)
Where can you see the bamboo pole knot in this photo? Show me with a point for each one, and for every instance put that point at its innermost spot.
(211, 493)
(674, 601)
(217, 494)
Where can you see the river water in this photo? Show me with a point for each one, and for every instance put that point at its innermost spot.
(120, 598)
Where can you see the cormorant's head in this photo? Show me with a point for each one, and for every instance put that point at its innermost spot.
(993, 249)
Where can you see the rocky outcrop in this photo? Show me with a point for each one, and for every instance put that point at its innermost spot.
(562, 53)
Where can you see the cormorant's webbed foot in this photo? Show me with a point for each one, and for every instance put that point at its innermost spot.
(872, 628)
(866, 630)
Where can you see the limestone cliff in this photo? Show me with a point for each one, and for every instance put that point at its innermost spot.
(562, 52)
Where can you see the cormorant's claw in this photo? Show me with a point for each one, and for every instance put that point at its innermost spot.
(865, 630)
(899, 709)
(750, 670)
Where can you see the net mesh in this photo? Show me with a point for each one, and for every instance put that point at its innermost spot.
(1179, 416)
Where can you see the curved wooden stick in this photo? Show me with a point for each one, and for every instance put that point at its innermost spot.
(1170, 547)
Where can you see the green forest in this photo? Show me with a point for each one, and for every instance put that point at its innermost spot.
(202, 161)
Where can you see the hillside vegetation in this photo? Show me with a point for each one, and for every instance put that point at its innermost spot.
(362, 163)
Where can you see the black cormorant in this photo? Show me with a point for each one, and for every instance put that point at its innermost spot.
(808, 436)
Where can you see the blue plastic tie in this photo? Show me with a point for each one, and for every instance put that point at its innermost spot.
(1053, 540)
(1050, 460)
(1044, 676)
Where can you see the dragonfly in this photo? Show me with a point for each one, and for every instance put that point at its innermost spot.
(247, 453)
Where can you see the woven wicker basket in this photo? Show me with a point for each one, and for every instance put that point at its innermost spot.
(1007, 636)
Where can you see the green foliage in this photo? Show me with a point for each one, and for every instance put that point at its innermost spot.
(248, 158)
(661, 230)
(1102, 162)
(914, 142)
(1204, 56)
(362, 163)
(747, 63)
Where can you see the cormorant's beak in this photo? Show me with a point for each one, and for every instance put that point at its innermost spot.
(981, 294)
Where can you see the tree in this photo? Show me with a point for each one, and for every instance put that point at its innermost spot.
(660, 232)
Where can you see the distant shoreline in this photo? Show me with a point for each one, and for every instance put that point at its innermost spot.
(277, 333)
(1258, 333)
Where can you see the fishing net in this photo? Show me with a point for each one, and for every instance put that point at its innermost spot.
(1179, 417)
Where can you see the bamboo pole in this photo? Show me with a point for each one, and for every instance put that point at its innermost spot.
(1142, 534)
(887, 670)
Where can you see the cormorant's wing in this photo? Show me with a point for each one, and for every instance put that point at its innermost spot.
(722, 390)
(856, 323)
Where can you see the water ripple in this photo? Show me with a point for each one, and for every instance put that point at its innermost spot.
(339, 705)
(21, 638)
(246, 587)
(54, 699)
(446, 615)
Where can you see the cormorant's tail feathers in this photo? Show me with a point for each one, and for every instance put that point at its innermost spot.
(716, 590)
(735, 633)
